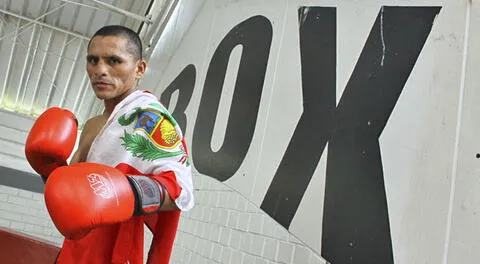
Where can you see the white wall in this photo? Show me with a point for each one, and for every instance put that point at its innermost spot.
(13, 133)
(224, 227)
(25, 212)
(427, 147)
(464, 197)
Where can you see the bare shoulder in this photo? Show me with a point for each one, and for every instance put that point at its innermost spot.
(90, 130)
(95, 122)
(93, 126)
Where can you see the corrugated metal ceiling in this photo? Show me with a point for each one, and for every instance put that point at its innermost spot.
(43, 48)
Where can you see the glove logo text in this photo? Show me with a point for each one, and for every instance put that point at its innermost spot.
(100, 185)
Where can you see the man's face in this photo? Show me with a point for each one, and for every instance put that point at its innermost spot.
(112, 69)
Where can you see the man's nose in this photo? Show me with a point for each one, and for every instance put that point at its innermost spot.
(101, 69)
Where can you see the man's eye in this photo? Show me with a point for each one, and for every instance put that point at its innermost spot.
(114, 60)
(92, 60)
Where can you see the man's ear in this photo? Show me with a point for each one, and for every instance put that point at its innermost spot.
(141, 68)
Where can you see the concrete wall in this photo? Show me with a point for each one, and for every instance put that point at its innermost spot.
(337, 130)
(378, 169)
(13, 133)
(225, 227)
(25, 211)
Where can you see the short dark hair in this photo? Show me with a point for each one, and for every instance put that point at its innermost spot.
(135, 46)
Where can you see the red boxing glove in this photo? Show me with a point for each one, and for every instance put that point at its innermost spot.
(51, 140)
(86, 195)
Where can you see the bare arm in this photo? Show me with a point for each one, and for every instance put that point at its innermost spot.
(76, 156)
(168, 203)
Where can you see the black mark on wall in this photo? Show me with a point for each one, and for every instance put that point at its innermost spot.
(318, 56)
(184, 83)
(21, 180)
(255, 36)
(355, 222)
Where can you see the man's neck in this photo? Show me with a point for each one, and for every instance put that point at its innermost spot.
(110, 104)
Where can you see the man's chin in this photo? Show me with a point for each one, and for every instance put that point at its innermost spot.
(102, 95)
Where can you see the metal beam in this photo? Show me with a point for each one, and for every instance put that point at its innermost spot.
(35, 21)
(115, 9)
(53, 86)
(155, 31)
(26, 64)
(39, 79)
(9, 65)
